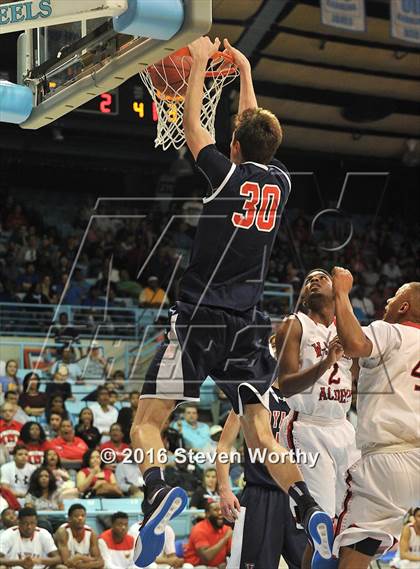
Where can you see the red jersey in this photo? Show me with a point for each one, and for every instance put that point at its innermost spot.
(36, 451)
(73, 450)
(118, 451)
(10, 433)
(107, 476)
(204, 534)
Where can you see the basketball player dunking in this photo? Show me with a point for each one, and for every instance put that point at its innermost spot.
(216, 328)
(384, 483)
(264, 527)
(315, 376)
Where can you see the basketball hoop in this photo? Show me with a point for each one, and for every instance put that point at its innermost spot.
(167, 83)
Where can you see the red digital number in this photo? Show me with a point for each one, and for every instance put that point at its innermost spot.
(334, 372)
(415, 372)
(264, 216)
(105, 105)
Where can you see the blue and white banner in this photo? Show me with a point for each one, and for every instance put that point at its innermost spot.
(346, 14)
(405, 20)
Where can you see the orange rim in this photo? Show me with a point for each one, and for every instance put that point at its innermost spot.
(230, 70)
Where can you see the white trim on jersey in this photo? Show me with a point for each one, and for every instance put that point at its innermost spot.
(222, 185)
(264, 399)
(265, 167)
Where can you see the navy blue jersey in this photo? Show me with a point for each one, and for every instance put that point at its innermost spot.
(255, 472)
(236, 231)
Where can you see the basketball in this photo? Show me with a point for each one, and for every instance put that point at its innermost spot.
(170, 76)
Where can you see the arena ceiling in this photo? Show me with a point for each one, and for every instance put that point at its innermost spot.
(334, 91)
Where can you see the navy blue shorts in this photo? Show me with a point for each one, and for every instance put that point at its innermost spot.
(231, 348)
(266, 530)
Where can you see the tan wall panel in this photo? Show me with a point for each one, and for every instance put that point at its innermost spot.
(302, 75)
(325, 114)
(232, 33)
(308, 18)
(343, 143)
(360, 57)
(235, 9)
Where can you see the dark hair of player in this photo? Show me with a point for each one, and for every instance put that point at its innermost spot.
(318, 271)
(259, 133)
(26, 512)
(118, 516)
(75, 507)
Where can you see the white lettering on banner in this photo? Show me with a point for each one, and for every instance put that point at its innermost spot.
(346, 14)
(405, 20)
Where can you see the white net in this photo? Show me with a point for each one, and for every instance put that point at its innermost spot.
(167, 81)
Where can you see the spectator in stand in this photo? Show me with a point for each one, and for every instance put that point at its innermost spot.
(210, 540)
(126, 415)
(10, 381)
(19, 414)
(52, 428)
(67, 360)
(392, 272)
(9, 428)
(9, 518)
(15, 475)
(93, 298)
(118, 379)
(207, 492)
(168, 559)
(196, 435)
(32, 401)
(104, 414)
(65, 334)
(48, 291)
(69, 448)
(116, 545)
(28, 279)
(35, 296)
(129, 479)
(85, 429)
(59, 384)
(43, 492)
(77, 542)
(171, 438)
(15, 219)
(94, 480)
(409, 550)
(77, 289)
(153, 296)
(56, 405)
(30, 547)
(94, 365)
(65, 485)
(116, 443)
(127, 286)
(183, 474)
(33, 437)
(362, 305)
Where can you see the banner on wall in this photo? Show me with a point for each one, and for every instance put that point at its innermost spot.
(405, 20)
(345, 14)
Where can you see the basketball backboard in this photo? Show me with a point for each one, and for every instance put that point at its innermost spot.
(68, 64)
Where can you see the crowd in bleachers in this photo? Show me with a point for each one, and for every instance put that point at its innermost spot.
(56, 428)
(36, 259)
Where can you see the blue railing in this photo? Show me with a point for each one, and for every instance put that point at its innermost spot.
(20, 319)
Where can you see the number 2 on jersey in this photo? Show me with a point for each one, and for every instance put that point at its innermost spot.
(334, 372)
(260, 206)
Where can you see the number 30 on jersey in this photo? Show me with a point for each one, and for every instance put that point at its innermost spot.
(260, 207)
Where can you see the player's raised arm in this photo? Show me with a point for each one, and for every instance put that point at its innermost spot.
(354, 341)
(196, 135)
(247, 98)
(293, 380)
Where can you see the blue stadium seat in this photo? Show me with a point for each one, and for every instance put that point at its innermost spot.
(74, 407)
(92, 505)
(128, 505)
(207, 394)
